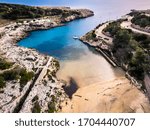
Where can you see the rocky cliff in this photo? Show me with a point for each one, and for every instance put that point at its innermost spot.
(44, 92)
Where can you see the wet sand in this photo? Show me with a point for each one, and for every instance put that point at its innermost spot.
(95, 86)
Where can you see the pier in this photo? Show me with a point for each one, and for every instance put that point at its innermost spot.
(106, 57)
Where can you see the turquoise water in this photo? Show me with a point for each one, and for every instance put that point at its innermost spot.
(59, 41)
(78, 62)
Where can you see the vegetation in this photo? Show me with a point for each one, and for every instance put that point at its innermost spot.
(14, 11)
(4, 64)
(112, 28)
(25, 77)
(56, 63)
(139, 64)
(3, 76)
(51, 107)
(131, 49)
(36, 108)
(10, 75)
(143, 40)
(141, 20)
(16, 73)
(91, 36)
(66, 13)
(36, 98)
(52, 104)
(2, 82)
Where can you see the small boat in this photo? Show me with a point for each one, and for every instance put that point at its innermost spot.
(75, 37)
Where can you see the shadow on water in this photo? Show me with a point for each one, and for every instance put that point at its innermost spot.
(92, 49)
(71, 88)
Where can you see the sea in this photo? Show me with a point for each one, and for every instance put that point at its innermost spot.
(78, 62)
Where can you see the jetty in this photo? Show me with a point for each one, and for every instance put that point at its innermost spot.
(106, 57)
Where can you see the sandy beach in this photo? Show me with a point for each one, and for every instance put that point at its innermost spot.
(101, 91)
(112, 96)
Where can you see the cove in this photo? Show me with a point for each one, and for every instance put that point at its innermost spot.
(87, 73)
(80, 64)
(59, 41)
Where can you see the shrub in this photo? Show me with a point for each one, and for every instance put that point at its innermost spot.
(91, 35)
(137, 64)
(2, 82)
(4, 64)
(36, 108)
(10, 75)
(25, 77)
(141, 20)
(123, 36)
(112, 28)
(51, 107)
(128, 49)
(36, 98)
(13, 11)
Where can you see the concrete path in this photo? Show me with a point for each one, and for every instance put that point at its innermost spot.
(100, 34)
(43, 72)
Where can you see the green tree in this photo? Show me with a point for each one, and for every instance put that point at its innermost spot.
(25, 77)
(123, 36)
(137, 64)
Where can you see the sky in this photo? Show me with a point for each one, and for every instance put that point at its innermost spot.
(97, 5)
(45, 2)
(55, 2)
(70, 3)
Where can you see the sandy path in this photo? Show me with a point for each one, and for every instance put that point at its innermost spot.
(100, 34)
(127, 25)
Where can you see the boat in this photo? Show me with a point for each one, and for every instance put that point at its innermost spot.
(75, 37)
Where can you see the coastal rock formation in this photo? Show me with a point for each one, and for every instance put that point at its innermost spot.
(44, 92)
(80, 13)
(118, 96)
(44, 67)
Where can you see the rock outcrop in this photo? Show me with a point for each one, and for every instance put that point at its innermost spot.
(44, 92)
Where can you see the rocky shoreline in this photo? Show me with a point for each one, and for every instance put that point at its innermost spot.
(102, 42)
(44, 92)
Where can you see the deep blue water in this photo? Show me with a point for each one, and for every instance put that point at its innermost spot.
(59, 41)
